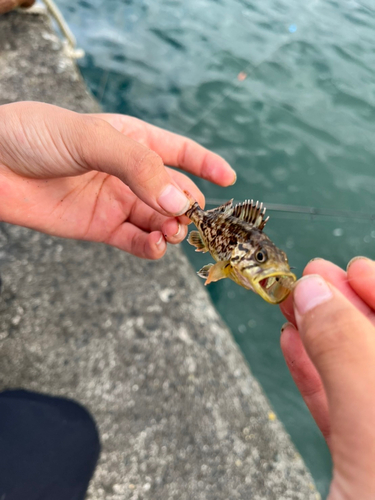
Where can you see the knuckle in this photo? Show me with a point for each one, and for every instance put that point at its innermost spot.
(206, 170)
(147, 161)
(135, 244)
(183, 153)
(88, 132)
(94, 121)
(147, 165)
(91, 126)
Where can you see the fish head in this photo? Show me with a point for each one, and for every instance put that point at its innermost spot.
(261, 266)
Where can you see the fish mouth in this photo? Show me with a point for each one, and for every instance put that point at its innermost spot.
(275, 287)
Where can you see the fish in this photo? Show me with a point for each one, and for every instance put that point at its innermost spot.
(234, 237)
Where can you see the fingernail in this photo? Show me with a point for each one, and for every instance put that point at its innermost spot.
(315, 258)
(160, 241)
(176, 231)
(354, 259)
(309, 292)
(235, 178)
(173, 201)
(286, 325)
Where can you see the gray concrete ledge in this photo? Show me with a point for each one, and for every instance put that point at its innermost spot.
(138, 343)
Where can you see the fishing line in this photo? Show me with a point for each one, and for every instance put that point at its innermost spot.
(280, 209)
(312, 212)
(302, 210)
(103, 86)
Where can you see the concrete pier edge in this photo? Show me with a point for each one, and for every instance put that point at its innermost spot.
(138, 343)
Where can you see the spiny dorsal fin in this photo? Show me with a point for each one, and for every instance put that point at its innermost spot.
(251, 212)
(226, 208)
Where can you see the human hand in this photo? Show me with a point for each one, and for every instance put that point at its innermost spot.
(332, 361)
(7, 5)
(99, 177)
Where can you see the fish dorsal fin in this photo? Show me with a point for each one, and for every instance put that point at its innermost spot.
(226, 208)
(251, 212)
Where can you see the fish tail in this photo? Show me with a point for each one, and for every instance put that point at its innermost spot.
(194, 207)
(192, 210)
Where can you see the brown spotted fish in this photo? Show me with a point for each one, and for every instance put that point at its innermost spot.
(234, 237)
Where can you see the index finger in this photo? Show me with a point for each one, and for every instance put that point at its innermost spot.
(334, 275)
(175, 150)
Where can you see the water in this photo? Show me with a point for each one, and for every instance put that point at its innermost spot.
(299, 129)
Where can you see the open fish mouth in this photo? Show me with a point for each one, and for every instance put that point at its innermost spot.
(275, 287)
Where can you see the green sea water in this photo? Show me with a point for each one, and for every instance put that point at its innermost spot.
(299, 130)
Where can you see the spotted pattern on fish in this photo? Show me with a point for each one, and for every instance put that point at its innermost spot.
(222, 232)
(243, 252)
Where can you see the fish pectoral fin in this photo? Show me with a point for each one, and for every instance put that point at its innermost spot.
(196, 240)
(215, 272)
(204, 272)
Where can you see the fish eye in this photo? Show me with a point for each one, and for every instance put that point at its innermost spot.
(261, 256)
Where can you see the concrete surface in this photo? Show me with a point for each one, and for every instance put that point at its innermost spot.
(137, 342)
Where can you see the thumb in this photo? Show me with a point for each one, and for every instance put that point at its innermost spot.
(335, 334)
(101, 147)
(45, 141)
(340, 341)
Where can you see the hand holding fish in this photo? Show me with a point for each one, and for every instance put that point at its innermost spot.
(99, 177)
(332, 360)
